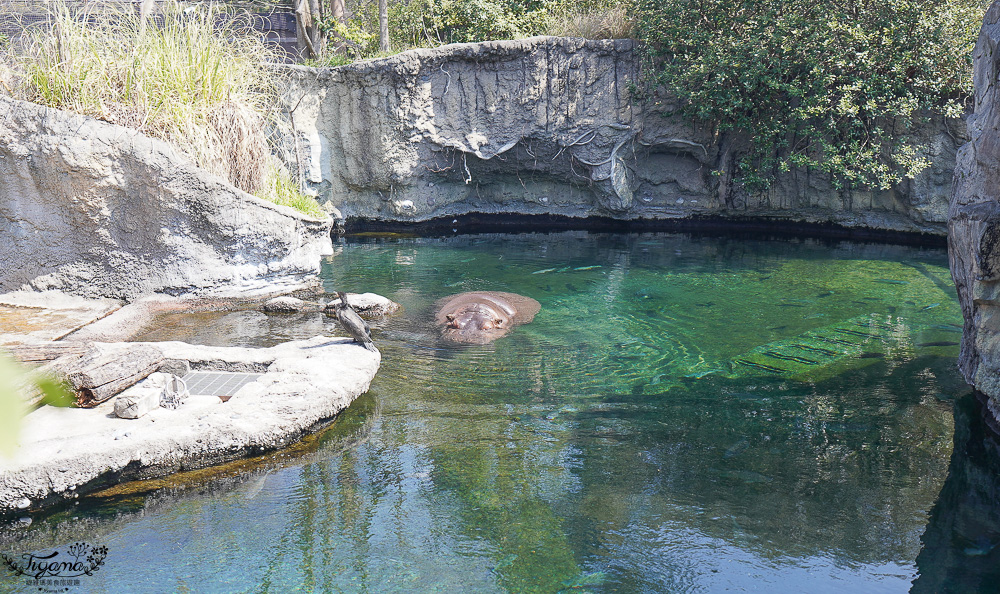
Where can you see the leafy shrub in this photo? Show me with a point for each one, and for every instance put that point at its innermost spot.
(825, 84)
(423, 23)
(359, 42)
(430, 23)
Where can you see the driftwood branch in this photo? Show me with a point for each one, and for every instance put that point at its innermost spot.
(678, 141)
(592, 133)
(614, 153)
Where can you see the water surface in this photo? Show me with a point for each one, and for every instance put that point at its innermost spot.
(685, 414)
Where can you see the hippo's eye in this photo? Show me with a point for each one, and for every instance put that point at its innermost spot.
(498, 322)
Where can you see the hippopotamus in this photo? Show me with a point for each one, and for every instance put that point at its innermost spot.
(481, 317)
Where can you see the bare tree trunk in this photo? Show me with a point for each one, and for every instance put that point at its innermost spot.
(318, 37)
(303, 28)
(338, 11)
(383, 25)
(338, 14)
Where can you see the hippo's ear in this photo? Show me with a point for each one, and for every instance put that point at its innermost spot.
(450, 317)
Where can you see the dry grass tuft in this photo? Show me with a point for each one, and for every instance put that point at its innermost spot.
(193, 76)
(238, 134)
(595, 21)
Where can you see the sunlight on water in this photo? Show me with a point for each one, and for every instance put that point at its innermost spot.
(685, 414)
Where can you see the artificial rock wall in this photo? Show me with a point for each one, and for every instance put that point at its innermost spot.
(974, 221)
(99, 210)
(551, 125)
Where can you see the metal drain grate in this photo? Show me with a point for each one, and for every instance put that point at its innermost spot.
(217, 383)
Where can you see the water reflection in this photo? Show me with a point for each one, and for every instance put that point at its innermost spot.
(960, 552)
(684, 414)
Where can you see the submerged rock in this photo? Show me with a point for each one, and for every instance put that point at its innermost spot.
(284, 305)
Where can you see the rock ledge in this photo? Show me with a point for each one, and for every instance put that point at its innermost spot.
(68, 451)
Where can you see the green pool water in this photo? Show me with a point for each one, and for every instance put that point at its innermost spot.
(685, 414)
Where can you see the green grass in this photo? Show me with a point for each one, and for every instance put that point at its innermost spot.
(183, 78)
(281, 189)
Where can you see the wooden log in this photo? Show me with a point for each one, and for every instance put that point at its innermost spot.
(56, 369)
(99, 376)
(62, 366)
(43, 352)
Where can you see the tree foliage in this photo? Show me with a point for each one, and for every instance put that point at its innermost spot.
(832, 85)
(428, 23)
(13, 380)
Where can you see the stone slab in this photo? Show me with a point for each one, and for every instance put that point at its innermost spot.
(48, 315)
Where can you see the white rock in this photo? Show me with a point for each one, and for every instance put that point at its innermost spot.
(137, 403)
(284, 305)
(368, 304)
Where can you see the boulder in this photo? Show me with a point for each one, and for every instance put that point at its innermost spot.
(366, 304)
(99, 210)
(284, 305)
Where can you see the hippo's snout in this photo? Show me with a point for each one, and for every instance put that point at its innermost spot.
(473, 320)
(474, 324)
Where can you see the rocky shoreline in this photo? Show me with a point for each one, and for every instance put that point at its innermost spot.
(285, 392)
(974, 223)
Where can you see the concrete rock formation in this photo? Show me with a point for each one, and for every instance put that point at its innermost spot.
(303, 384)
(99, 210)
(974, 222)
(550, 125)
